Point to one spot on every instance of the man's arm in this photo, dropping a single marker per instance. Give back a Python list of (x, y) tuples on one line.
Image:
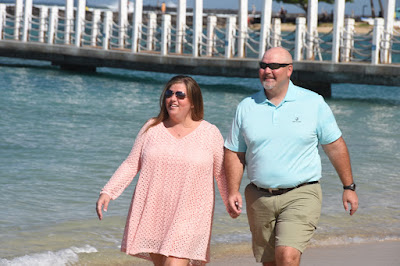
[(338, 154), (234, 163)]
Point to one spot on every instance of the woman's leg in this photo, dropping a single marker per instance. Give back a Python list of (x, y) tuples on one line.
[(158, 259), (173, 261)]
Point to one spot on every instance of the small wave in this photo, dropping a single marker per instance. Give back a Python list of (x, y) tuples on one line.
[(58, 258), (339, 241)]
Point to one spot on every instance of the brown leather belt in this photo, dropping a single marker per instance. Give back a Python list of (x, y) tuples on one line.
[(280, 191)]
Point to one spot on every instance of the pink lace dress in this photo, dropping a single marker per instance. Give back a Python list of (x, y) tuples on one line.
[(172, 206)]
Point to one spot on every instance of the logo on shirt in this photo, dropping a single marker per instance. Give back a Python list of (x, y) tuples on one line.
[(296, 119)]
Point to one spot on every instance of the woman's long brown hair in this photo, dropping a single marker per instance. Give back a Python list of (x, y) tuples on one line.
[(193, 93)]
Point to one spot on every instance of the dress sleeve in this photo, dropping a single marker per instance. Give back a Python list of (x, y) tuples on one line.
[(219, 170), (125, 173)]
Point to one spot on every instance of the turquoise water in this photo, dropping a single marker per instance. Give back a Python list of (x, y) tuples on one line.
[(63, 134)]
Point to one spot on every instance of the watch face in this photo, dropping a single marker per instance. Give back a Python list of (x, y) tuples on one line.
[(351, 187)]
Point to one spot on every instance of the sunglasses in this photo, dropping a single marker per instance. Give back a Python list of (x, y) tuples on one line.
[(179, 94), (272, 66)]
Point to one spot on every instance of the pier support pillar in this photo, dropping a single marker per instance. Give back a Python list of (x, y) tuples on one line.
[(43, 15), (229, 40), (68, 20), (136, 25), (53, 21), (122, 22), (197, 27), (338, 21), (265, 27), (96, 20), (312, 30), (386, 55), (211, 23), (80, 22), (152, 26), (27, 20), (3, 14), (19, 4), (243, 24), (376, 41), (348, 41), (165, 33), (276, 32), (107, 27), (299, 39), (180, 26)]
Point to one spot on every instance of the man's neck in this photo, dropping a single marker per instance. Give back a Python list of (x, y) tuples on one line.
[(276, 95)]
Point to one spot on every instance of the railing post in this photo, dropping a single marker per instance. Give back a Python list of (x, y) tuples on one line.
[(312, 23), (96, 20), (53, 20), (3, 14), (276, 32), (151, 30), (299, 39), (137, 25), (347, 40), (265, 27), (211, 23), (180, 26), (44, 13), (68, 19), (376, 40), (338, 20), (197, 27), (18, 18), (386, 55), (27, 20), (107, 26), (229, 37), (80, 21), (166, 26), (243, 14), (122, 22)]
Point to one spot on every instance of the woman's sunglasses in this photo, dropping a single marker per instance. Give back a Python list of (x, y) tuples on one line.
[(272, 66), (179, 94)]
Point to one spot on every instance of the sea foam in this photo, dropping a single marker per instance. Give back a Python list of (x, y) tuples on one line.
[(57, 258)]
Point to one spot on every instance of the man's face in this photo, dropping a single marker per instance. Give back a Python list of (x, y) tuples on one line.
[(274, 78)]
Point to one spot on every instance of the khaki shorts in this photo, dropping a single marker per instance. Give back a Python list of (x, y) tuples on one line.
[(289, 219)]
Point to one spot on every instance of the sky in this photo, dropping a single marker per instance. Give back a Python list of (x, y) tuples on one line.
[(358, 7)]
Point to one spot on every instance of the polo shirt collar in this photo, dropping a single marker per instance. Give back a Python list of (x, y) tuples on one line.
[(260, 97)]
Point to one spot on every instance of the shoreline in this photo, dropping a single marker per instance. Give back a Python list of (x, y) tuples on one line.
[(359, 27), (385, 253)]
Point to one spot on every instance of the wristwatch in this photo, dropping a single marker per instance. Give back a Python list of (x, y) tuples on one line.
[(351, 187)]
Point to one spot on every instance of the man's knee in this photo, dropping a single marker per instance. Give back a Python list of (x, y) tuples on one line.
[(285, 255)]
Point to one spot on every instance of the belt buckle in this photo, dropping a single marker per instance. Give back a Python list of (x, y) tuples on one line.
[(271, 190)]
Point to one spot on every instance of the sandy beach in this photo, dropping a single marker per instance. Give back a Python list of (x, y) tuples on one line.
[(386, 253), (360, 27)]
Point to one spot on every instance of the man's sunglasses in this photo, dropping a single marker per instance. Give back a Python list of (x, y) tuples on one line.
[(179, 94), (272, 66)]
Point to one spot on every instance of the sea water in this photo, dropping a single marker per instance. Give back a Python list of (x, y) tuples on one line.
[(63, 134)]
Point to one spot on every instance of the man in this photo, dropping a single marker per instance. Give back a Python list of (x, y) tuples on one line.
[(276, 133)]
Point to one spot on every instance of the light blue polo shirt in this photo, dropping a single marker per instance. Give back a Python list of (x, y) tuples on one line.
[(281, 142)]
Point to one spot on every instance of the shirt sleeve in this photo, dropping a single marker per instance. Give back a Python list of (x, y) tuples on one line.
[(235, 140), (125, 173), (327, 129)]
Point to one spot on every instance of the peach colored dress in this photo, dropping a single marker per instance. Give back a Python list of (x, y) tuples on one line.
[(173, 203)]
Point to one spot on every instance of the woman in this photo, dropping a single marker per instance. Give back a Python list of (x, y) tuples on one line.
[(177, 154)]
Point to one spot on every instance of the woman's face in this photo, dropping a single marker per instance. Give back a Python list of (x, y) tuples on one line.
[(177, 102)]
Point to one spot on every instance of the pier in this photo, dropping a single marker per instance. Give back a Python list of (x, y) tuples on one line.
[(81, 38)]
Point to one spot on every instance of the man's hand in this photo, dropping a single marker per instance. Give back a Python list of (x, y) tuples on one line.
[(350, 198), (235, 205)]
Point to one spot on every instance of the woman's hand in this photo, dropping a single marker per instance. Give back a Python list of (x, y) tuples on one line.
[(103, 200)]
